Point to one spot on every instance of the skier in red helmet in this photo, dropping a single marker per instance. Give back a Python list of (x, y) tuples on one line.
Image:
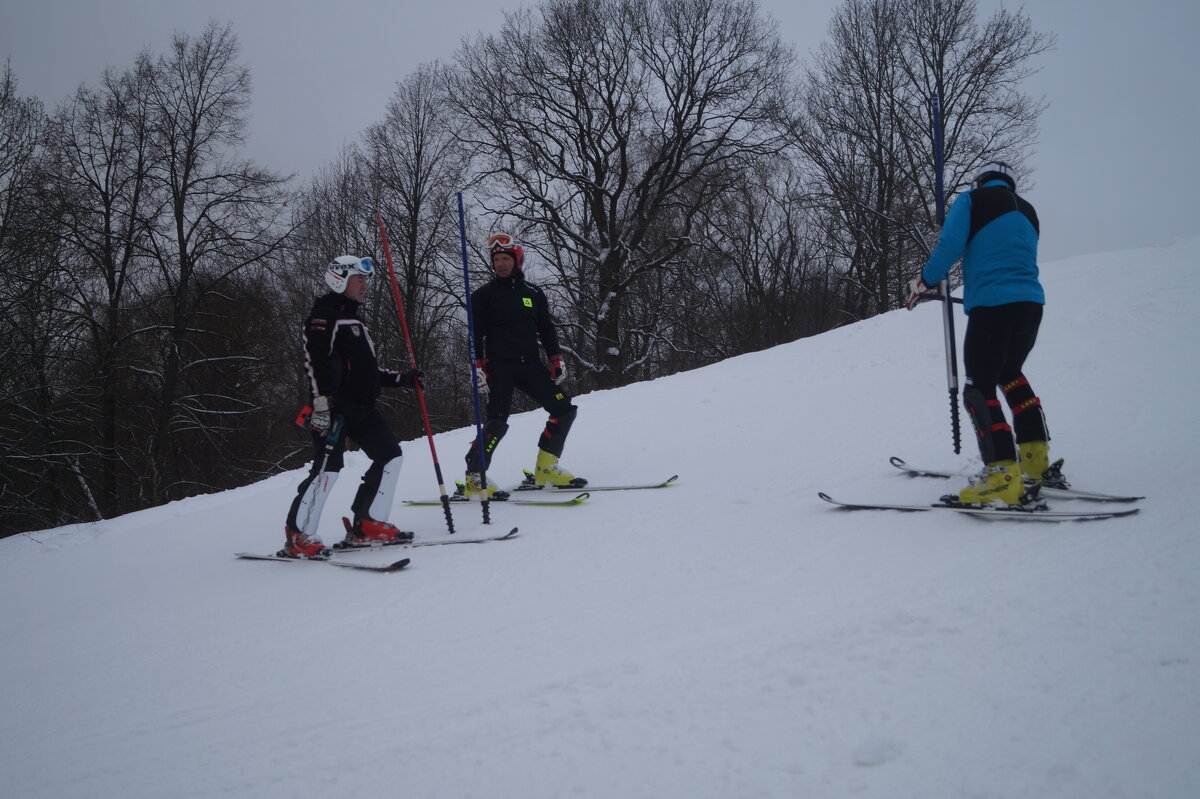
[(511, 317)]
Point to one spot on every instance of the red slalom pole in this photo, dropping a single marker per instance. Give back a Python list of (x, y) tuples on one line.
[(412, 360)]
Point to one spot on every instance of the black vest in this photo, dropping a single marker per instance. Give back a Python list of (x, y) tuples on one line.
[(991, 202)]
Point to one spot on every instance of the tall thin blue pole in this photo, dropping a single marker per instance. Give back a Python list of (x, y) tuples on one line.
[(944, 286), (462, 236)]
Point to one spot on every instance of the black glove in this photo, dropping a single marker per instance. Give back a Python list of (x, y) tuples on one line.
[(412, 378)]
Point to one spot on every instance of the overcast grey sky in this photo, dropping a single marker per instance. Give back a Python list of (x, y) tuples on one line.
[(1115, 167)]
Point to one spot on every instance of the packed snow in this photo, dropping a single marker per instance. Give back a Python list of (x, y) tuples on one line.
[(730, 636)]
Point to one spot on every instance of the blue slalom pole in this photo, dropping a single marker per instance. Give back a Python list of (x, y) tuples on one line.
[(462, 235), (944, 286)]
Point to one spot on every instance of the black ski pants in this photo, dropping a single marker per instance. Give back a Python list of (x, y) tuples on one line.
[(998, 340), (365, 425), (532, 379)]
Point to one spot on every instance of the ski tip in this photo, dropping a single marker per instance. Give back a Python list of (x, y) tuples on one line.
[(899, 463), (398, 565)]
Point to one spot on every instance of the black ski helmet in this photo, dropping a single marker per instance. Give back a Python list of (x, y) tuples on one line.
[(996, 170)]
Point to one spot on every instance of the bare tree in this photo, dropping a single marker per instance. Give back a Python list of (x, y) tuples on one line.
[(221, 217), (978, 72), (767, 249), (603, 129), (39, 451), (418, 162), (866, 126), (20, 123), (102, 199)]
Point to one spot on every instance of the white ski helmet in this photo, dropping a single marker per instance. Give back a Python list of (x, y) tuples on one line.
[(338, 273), (996, 170)]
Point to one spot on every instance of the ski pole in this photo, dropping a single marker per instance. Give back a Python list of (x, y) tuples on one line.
[(412, 359), (479, 443), (944, 286)]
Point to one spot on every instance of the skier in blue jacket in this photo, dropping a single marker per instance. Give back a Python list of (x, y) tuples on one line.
[(995, 233)]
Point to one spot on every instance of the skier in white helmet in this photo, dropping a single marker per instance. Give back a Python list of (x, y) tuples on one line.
[(345, 379), (995, 232)]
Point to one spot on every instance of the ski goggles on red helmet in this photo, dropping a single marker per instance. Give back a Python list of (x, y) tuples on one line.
[(501, 242)]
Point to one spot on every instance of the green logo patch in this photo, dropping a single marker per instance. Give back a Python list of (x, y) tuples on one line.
[(528, 301)]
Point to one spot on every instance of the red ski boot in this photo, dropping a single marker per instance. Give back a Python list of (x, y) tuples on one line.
[(367, 532), (304, 547)]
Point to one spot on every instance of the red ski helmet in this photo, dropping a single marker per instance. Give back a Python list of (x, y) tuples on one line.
[(504, 243)]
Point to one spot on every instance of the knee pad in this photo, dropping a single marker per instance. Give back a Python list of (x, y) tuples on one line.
[(493, 431), (564, 420), (554, 434), (495, 428), (307, 514), (1029, 419), (987, 419), (381, 504)]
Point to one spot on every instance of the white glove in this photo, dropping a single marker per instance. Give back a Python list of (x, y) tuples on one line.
[(916, 287), (481, 376), (321, 417)]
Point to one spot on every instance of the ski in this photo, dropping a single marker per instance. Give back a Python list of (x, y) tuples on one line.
[(1046, 491), (511, 534), (988, 513), (458, 500), (391, 567), (528, 485)]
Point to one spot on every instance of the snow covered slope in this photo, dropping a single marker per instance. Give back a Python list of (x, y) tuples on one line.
[(731, 636)]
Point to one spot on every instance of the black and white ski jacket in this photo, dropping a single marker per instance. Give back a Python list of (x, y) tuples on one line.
[(339, 357)]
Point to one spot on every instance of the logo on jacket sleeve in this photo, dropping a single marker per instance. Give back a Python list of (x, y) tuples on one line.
[(528, 301)]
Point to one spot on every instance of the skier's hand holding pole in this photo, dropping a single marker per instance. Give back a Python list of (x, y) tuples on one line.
[(321, 415)]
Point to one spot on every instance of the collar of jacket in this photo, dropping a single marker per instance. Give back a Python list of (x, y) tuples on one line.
[(344, 303)]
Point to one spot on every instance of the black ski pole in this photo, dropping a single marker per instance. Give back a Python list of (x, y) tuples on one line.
[(479, 442)]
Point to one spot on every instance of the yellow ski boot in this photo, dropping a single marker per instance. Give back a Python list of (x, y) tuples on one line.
[(1035, 459), (473, 489), (548, 474), (999, 482), (1036, 465)]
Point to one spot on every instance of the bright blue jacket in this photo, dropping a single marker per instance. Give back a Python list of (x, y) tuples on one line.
[(995, 233)]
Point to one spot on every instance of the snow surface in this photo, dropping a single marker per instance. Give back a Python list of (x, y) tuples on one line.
[(732, 636)]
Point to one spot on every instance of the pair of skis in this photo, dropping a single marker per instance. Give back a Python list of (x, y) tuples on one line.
[(529, 487), (386, 568), (1023, 514)]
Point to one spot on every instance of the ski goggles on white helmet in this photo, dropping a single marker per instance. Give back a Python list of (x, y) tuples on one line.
[(344, 267), (354, 265)]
